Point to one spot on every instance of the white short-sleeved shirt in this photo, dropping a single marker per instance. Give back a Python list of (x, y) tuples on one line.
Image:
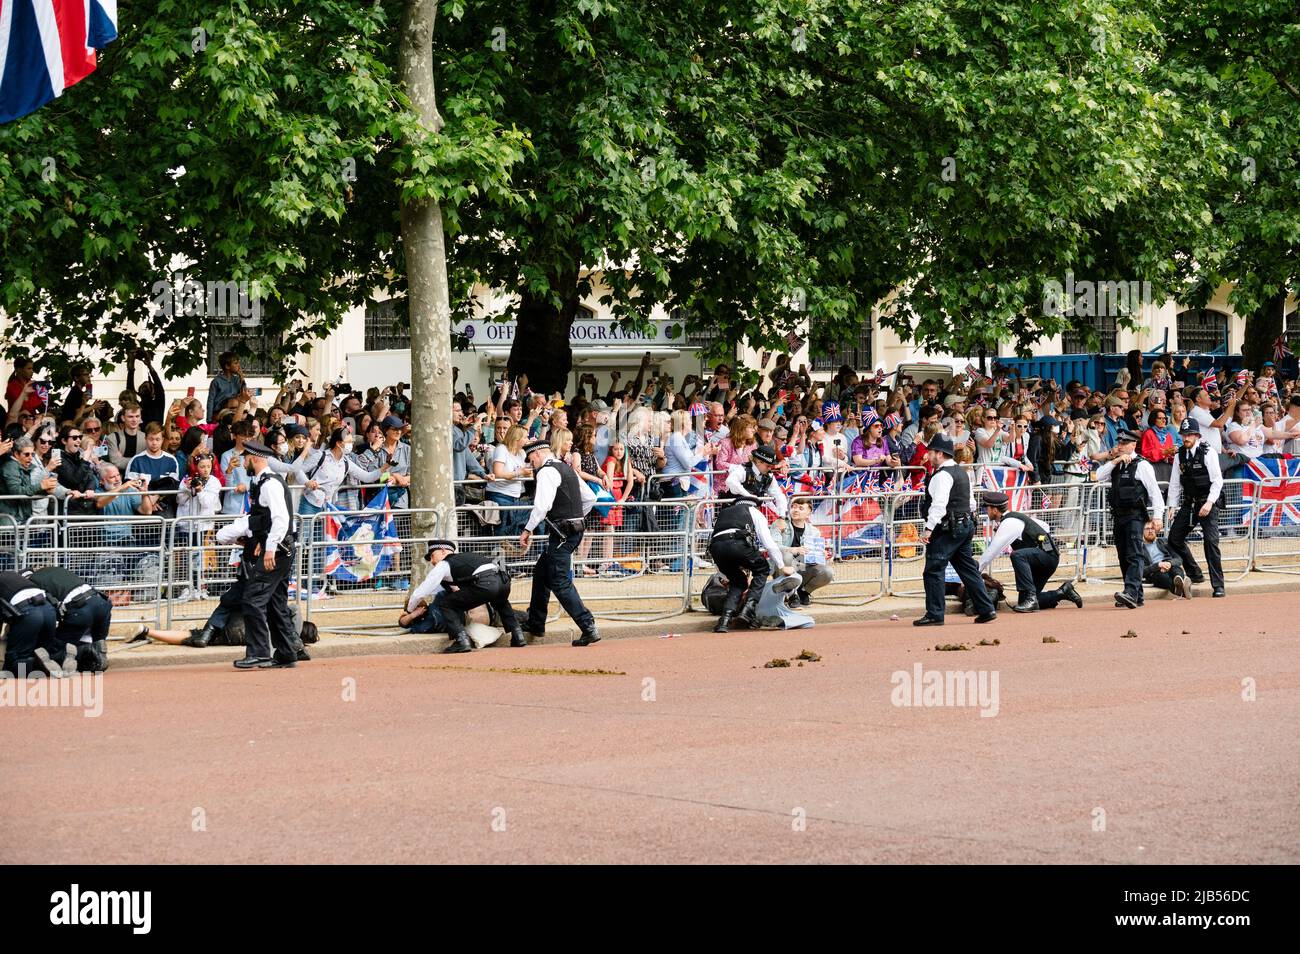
[(513, 462)]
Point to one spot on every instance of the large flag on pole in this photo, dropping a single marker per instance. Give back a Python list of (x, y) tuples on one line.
[(47, 46)]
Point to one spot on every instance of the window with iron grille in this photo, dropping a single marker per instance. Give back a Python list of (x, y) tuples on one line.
[(388, 326), (1105, 327), (1201, 329), (856, 354), (254, 347)]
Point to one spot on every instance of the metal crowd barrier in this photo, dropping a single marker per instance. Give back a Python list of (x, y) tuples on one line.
[(645, 560)]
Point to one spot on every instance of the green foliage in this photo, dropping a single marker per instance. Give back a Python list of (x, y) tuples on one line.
[(224, 141)]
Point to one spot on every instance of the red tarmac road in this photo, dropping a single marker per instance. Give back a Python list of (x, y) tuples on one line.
[(718, 759)]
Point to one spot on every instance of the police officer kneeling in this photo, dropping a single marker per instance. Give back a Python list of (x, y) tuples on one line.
[(1134, 498), (457, 583), (32, 644), (84, 614), (1195, 486), (949, 527), (265, 567), (739, 528), (1034, 556)]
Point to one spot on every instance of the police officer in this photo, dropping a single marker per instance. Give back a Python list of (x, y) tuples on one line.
[(267, 561), (1034, 556), (457, 583), (949, 527), (753, 479), (562, 501), (1134, 498), (84, 614), (1194, 488), (738, 530), (32, 644)]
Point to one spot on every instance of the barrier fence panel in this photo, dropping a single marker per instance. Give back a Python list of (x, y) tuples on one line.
[(1274, 518), (1236, 542), (122, 557), (347, 564), (905, 558), (200, 570), (11, 557)]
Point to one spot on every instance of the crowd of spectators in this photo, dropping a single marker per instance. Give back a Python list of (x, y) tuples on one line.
[(642, 439)]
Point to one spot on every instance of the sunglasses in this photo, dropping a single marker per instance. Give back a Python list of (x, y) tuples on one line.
[(92, 430)]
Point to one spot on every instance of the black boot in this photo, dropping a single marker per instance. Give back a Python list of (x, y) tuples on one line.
[(1068, 592), (92, 657), (749, 613), (1027, 604), (460, 643), (199, 638), (517, 636), (723, 624), (587, 638)]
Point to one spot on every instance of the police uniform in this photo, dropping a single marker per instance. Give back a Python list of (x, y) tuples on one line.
[(950, 521), (744, 480), (1195, 481), (456, 584), (562, 501), (267, 526), (1134, 496), (84, 614), (32, 643), (1034, 557), (734, 547)]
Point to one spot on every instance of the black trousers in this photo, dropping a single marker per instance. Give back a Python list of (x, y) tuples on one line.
[(1164, 578), (953, 547), (1132, 551), (1034, 567), (553, 573), (36, 628), (744, 566), (267, 619), (90, 617), (1185, 521), (484, 589)]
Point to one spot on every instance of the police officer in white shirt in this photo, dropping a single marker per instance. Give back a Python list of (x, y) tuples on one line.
[(753, 479), (734, 547), (1134, 497), (457, 583), (949, 528), (562, 502), (1034, 556), (267, 561), (1194, 488)]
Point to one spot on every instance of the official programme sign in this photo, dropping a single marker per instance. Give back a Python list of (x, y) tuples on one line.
[(661, 333)]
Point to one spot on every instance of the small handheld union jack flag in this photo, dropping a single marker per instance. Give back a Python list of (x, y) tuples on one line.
[(1280, 349), (698, 408), (1211, 381), (1242, 376), (893, 421)]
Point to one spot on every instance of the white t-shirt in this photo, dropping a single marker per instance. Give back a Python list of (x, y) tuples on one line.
[(1212, 436), (513, 463), (992, 454), (1254, 445), (828, 444)]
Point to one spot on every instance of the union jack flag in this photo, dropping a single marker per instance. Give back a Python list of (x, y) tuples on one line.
[(1280, 350), (360, 546), (973, 372), (1271, 492), (1266, 385), (1211, 381), (698, 408), (1012, 482), (1242, 377), (47, 46)]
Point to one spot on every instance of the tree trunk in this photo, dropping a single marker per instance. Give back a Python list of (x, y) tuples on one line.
[(541, 347), (1262, 328), (424, 244)]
